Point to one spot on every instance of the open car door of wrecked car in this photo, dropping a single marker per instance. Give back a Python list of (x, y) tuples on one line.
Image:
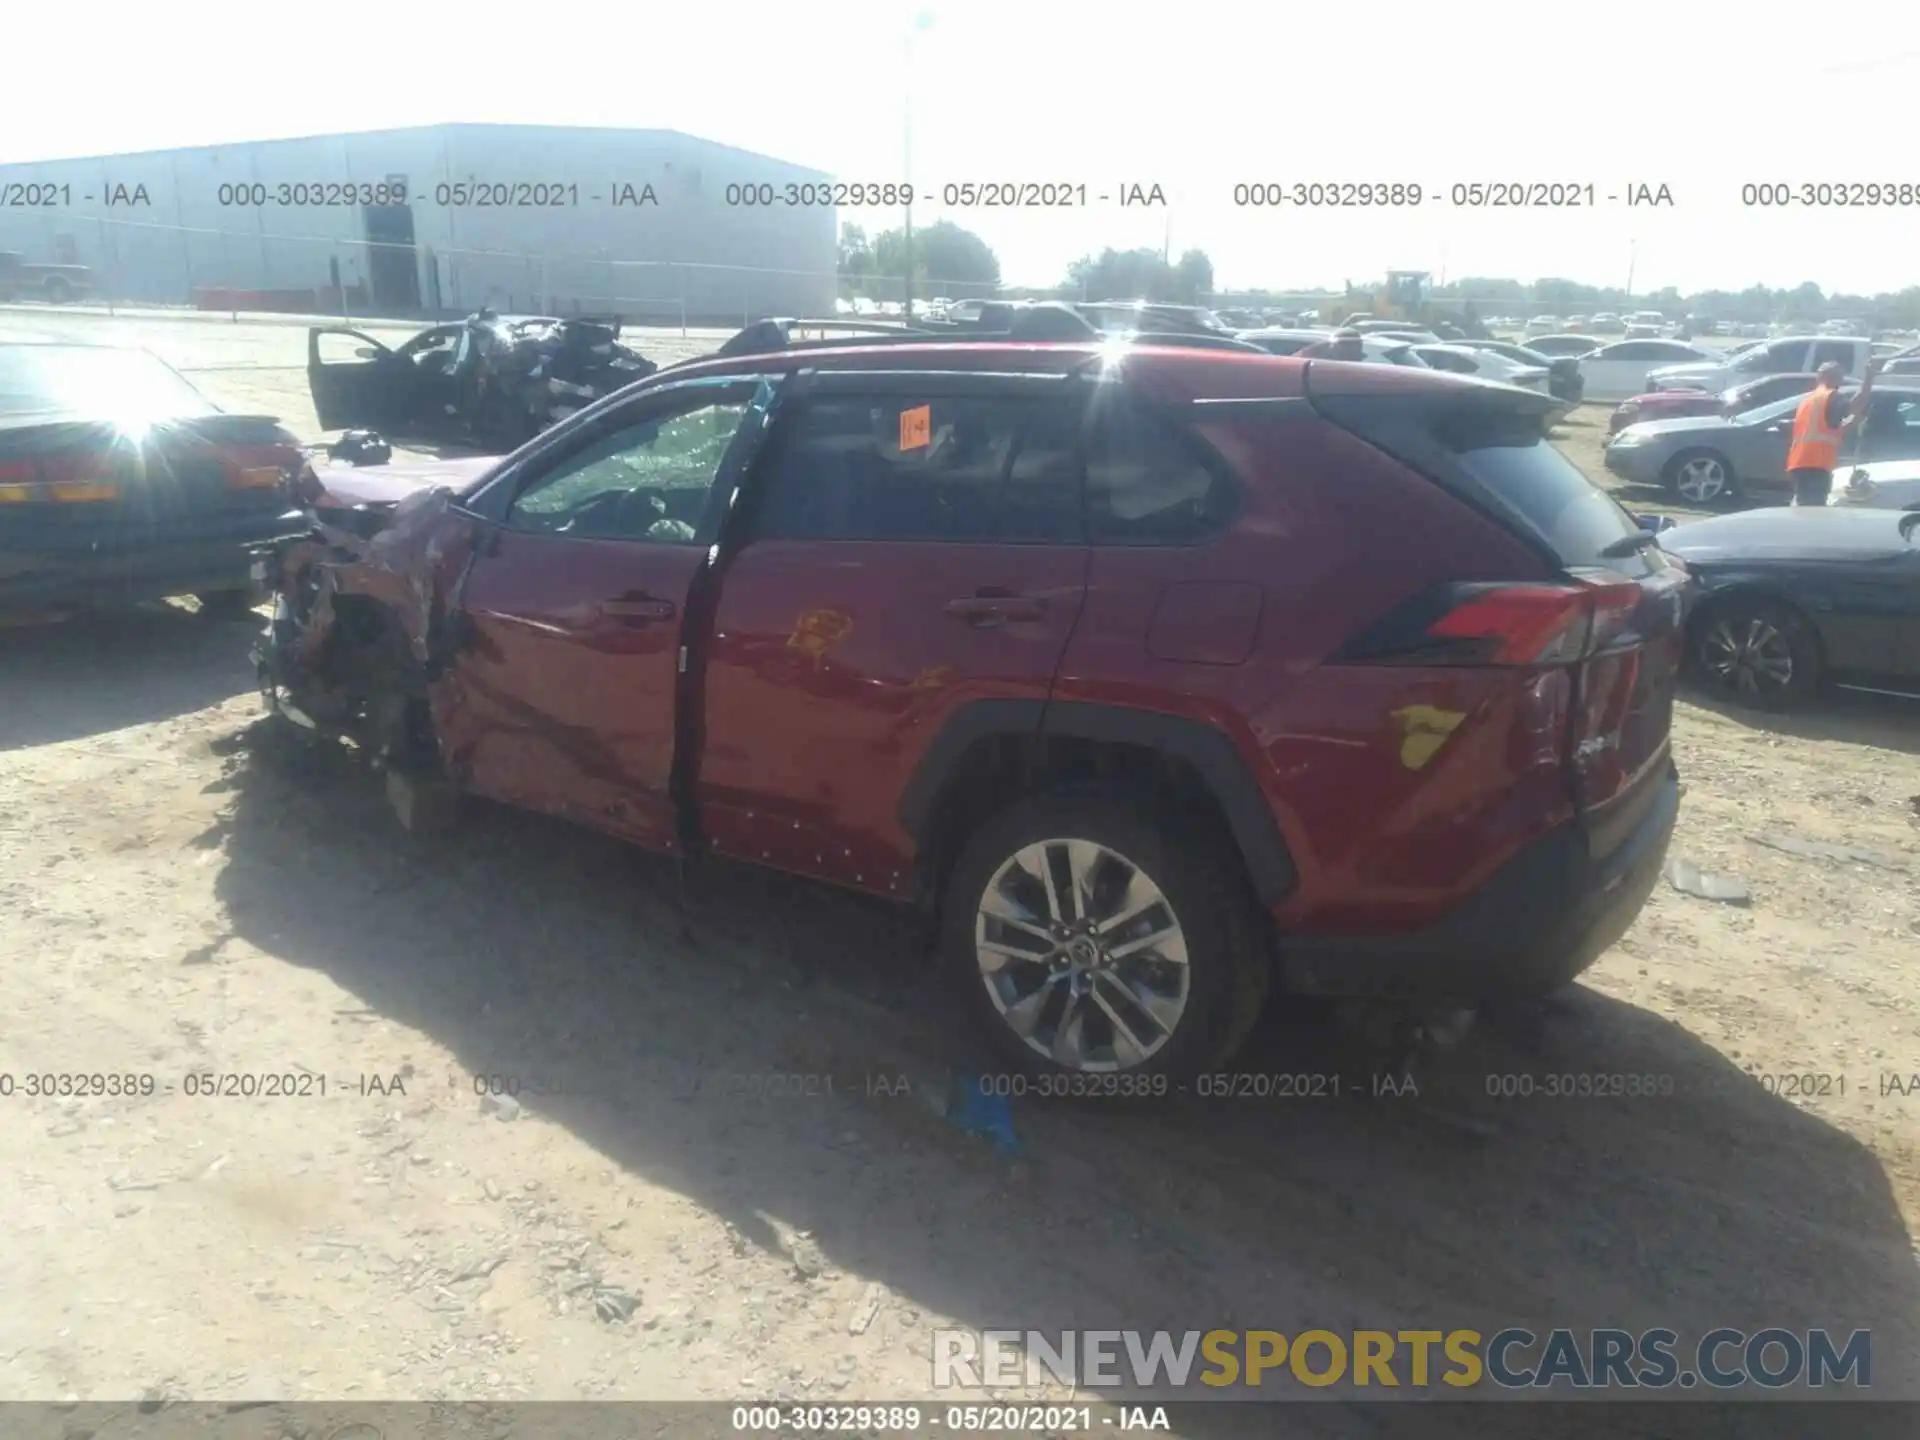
[(355, 380)]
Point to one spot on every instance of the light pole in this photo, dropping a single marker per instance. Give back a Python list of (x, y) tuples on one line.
[(1633, 250), (922, 20)]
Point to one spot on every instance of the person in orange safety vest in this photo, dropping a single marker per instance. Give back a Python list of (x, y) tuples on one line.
[(1819, 427)]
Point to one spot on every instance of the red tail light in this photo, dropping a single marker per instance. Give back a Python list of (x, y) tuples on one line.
[(1525, 625), (79, 477), (260, 467)]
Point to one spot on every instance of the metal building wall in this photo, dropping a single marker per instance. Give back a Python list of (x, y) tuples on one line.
[(161, 226)]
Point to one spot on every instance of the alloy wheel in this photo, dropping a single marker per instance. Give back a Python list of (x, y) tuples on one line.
[(1701, 479), (1749, 656), (1082, 955)]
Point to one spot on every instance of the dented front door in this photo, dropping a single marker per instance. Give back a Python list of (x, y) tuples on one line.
[(572, 619)]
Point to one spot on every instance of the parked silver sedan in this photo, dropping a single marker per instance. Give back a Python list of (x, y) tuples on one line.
[(1710, 459)]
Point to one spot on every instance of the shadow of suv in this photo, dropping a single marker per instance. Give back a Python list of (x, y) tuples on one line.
[(1156, 675)]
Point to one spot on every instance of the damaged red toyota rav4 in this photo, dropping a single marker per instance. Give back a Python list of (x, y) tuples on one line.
[(1161, 677)]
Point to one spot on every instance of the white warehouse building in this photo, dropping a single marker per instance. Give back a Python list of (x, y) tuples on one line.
[(652, 225)]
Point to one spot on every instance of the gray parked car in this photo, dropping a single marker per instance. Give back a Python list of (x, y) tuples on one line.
[(1707, 459)]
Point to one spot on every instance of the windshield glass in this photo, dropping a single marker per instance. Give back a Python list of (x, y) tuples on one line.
[(55, 380)]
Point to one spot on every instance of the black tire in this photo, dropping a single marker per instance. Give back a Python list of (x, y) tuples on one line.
[(1676, 477), (227, 604), (57, 290), (1753, 621), (1229, 962)]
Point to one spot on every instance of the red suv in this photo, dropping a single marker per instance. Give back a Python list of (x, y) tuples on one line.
[(1159, 676)]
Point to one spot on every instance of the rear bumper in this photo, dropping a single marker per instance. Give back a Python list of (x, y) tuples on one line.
[(93, 571), (1541, 920)]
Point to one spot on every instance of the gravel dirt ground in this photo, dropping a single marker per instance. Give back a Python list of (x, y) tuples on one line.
[(727, 1170)]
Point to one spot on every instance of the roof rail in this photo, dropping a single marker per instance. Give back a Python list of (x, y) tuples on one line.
[(766, 337)]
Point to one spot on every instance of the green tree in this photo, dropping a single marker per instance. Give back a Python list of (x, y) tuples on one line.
[(1193, 277), (856, 263), (1140, 275), (946, 256), (1806, 301)]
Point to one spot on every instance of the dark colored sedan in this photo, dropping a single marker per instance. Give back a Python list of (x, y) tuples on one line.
[(119, 482), (1681, 404), (1791, 598)]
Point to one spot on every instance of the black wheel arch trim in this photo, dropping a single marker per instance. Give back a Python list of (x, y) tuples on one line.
[(1210, 752)]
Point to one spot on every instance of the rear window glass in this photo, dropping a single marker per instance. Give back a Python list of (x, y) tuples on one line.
[(1481, 448), (94, 381)]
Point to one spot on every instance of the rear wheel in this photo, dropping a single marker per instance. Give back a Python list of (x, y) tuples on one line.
[(57, 290), (1087, 940), (1701, 477), (1758, 652)]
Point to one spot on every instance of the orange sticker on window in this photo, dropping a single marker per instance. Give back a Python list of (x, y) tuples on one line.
[(916, 428)]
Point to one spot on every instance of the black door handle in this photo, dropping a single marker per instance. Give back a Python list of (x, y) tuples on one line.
[(638, 609)]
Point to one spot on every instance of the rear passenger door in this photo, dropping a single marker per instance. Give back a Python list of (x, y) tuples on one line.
[(912, 543), (1175, 593)]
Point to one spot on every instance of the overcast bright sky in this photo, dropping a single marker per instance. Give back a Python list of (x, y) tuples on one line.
[(1701, 95)]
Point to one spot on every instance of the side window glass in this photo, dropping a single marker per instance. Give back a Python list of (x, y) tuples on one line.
[(1891, 416), (1147, 484), (1789, 359), (648, 481), (891, 467), (1040, 501), (436, 351)]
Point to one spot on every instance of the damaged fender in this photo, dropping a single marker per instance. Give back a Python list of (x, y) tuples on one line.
[(360, 630)]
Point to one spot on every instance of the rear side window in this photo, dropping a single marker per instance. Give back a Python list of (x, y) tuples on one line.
[(1785, 358), (941, 468), (1148, 482), (1491, 448), (1447, 360)]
